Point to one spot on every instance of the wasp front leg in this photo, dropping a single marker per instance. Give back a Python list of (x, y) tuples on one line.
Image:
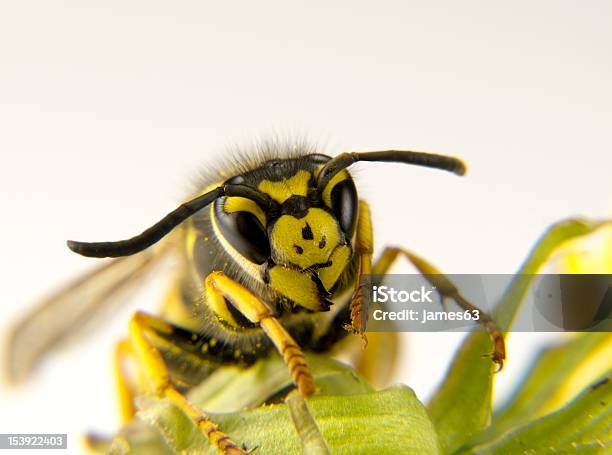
[(447, 290), (220, 287), (157, 377), (363, 249)]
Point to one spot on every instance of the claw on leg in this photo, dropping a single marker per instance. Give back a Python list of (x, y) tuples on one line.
[(499, 348), (358, 315), (499, 345)]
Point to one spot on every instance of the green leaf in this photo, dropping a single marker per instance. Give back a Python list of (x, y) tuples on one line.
[(552, 239), (351, 417), (554, 378), (583, 426), (134, 438), (393, 420), (557, 376), (232, 389), (462, 405)]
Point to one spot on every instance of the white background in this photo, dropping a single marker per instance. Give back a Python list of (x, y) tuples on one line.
[(108, 108)]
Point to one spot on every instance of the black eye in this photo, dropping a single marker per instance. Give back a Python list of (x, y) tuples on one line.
[(344, 205), (244, 232)]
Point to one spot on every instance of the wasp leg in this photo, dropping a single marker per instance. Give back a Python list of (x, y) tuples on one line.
[(158, 379), (447, 290), (125, 391), (363, 249), (220, 287)]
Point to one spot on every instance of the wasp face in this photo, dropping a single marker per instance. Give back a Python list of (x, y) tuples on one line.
[(305, 237), (304, 244)]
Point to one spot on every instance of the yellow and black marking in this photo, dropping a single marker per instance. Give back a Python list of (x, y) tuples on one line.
[(273, 256)]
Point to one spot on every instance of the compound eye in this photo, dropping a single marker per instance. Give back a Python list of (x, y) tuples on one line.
[(244, 231), (343, 198)]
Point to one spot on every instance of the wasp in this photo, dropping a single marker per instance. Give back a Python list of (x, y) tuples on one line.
[(273, 254)]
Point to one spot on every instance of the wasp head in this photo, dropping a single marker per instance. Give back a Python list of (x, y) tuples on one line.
[(302, 239)]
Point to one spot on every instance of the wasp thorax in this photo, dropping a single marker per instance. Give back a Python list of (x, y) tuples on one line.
[(307, 241)]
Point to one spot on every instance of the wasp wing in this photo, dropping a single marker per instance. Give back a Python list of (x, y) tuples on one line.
[(65, 315)]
